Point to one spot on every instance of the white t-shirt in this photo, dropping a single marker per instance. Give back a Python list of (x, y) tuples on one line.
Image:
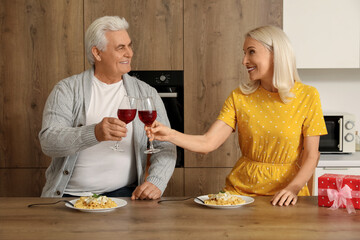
[(100, 169)]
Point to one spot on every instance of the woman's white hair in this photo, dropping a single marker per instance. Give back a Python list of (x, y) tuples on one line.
[(95, 34), (285, 72)]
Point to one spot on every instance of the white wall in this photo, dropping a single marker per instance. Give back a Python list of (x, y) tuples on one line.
[(339, 89)]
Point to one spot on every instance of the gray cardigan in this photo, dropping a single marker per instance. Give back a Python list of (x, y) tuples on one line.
[(64, 133)]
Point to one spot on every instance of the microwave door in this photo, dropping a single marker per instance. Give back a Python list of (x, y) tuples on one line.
[(340, 135), (332, 142)]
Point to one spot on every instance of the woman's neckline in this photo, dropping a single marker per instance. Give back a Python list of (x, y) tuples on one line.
[(267, 91), (295, 87)]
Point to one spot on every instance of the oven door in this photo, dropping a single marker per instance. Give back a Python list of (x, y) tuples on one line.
[(175, 111), (332, 142)]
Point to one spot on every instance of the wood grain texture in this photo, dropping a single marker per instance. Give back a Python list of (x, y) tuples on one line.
[(175, 187), (177, 220), (213, 36), (156, 29), (21, 182), (41, 43), (200, 181)]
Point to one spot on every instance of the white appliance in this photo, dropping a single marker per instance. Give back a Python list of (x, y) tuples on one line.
[(341, 133)]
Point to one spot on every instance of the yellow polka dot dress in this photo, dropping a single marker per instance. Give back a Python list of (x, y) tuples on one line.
[(271, 135)]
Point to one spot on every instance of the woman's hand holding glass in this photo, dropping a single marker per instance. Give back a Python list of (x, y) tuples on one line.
[(148, 114), (158, 131)]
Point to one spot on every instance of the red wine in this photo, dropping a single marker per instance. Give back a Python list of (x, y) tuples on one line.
[(147, 117), (126, 115)]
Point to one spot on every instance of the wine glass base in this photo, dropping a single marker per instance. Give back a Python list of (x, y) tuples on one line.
[(151, 151), (117, 149)]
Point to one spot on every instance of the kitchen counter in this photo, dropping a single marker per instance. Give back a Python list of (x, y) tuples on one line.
[(176, 220), (339, 160)]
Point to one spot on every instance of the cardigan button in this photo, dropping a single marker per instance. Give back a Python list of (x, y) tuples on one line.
[(58, 193), (66, 172)]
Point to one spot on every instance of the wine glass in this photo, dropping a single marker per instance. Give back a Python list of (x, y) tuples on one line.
[(147, 114), (126, 113)]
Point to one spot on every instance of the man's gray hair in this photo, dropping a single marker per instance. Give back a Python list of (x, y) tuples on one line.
[(95, 34)]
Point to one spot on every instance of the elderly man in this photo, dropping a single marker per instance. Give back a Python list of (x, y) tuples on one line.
[(80, 125)]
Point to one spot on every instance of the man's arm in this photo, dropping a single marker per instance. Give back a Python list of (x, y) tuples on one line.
[(58, 136)]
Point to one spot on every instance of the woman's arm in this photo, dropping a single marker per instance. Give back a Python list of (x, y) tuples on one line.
[(309, 161), (211, 140)]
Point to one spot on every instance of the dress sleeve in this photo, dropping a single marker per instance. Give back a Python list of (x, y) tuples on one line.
[(228, 112), (314, 124)]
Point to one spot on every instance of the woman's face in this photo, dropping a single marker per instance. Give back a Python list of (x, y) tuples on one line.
[(258, 61)]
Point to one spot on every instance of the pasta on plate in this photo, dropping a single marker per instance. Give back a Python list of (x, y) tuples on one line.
[(95, 202), (224, 198)]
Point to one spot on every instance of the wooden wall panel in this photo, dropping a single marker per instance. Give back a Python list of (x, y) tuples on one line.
[(213, 36), (201, 181), (156, 29), (22, 182), (41, 42), (175, 187)]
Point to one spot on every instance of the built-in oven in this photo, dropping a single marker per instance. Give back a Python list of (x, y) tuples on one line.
[(170, 86)]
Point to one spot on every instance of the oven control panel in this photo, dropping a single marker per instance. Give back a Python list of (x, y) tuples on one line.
[(160, 78)]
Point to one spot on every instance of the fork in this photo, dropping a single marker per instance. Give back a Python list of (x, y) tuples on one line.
[(38, 204), (200, 200)]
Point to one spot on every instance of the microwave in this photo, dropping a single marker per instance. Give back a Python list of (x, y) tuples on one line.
[(341, 134)]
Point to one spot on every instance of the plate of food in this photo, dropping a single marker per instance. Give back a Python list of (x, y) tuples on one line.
[(223, 200), (96, 203)]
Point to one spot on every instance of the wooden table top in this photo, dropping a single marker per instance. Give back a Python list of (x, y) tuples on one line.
[(176, 220)]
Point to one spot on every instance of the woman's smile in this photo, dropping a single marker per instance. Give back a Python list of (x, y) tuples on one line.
[(258, 61), (250, 69)]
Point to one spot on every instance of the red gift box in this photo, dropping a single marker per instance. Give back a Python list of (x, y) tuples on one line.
[(336, 185)]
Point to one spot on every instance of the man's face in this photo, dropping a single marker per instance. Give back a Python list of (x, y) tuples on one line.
[(115, 60)]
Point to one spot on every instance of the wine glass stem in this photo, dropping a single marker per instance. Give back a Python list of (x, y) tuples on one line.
[(151, 146)]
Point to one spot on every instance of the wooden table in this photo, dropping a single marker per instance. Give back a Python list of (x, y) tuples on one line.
[(177, 220)]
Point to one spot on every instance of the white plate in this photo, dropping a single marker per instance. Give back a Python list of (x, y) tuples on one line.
[(247, 199), (119, 202)]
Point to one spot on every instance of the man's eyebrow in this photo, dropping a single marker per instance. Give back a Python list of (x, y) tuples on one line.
[(123, 45), (120, 45)]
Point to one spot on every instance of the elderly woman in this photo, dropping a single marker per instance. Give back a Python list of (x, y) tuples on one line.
[(279, 122)]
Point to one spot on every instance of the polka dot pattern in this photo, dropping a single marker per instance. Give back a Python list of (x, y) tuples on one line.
[(271, 135)]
